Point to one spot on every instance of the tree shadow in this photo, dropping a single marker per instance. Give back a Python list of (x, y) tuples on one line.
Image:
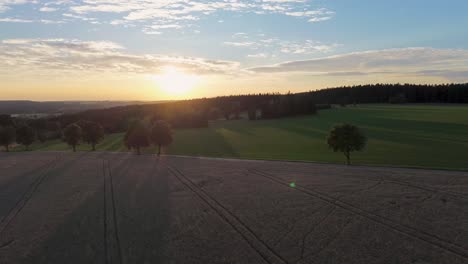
[(76, 233)]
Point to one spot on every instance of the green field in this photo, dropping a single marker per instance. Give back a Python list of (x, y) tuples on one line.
[(431, 136)]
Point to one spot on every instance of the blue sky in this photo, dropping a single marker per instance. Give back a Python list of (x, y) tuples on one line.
[(233, 45)]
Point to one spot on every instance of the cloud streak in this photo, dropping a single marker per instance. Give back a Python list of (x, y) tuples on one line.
[(61, 55), (162, 12), (417, 61)]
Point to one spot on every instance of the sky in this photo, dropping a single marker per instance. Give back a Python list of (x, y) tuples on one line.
[(176, 49)]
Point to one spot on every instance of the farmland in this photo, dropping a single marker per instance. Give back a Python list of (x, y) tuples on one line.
[(121, 208), (428, 136)]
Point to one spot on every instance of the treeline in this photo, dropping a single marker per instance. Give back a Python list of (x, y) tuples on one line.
[(197, 113), (393, 93), (27, 131)]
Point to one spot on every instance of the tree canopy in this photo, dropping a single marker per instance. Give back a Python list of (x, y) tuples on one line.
[(72, 135), (93, 133), (346, 138), (25, 135), (161, 134), (7, 136), (137, 137)]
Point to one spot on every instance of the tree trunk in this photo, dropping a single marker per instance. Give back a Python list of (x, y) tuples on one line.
[(348, 158), (74, 148), (7, 148), (159, 150), (138, 150), (27, 147), (94, 147)]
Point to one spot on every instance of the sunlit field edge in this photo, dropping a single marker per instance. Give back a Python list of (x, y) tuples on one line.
[(427, 136)]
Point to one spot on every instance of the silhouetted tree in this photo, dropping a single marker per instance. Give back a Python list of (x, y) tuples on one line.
[(7, 136), (346, 138), (161, 134), (72, 135), (236, 109), (93, 133), (252, 113), (398, 99), (227, 110), (25, 135), (6, 121), (214, 113), (137, 137)]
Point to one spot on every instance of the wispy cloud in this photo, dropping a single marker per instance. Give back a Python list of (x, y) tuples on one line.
[(15, 20), (449, 63), (171, 11), (18, 20), (240, 44), (6, 4), (48, 9), (57, 55), (275, 45)]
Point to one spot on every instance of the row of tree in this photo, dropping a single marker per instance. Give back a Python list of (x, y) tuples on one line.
[(138, 135), (83, 131), (90, 132), (344, 138), (24, 135)]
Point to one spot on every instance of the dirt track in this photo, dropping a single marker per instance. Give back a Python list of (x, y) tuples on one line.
[(122, 208)]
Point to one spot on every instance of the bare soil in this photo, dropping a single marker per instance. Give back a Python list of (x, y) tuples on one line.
[(60, 207)]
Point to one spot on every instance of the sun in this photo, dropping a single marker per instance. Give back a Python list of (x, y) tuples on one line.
[(175, 82)]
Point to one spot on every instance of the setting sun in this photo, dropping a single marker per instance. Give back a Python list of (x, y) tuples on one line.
[(175, 82)]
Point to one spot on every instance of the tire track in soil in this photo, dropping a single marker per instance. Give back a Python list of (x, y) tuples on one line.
[(257, 244), (112, 245), (455, 194), (26, 196), (390, 224)]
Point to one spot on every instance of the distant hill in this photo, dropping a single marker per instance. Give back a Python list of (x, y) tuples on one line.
[(63, 107)]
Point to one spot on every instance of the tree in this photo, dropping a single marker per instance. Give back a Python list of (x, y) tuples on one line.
[(6, 120), (252, 113), (72, 135), (25, 135), (7, 136), (137, 137), (346, 138), (93, 133), (161, 134)]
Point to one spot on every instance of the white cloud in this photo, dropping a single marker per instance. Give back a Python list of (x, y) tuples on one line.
[(58, 55), (448, 63), (169, 11), (15, 20), (240, 44), (258, 55), (48, 9), (278, 46), (6, 4), (143, 12)]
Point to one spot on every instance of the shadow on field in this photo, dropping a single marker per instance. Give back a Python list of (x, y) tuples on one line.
[(17, 186), (142, 206), (134, 194)]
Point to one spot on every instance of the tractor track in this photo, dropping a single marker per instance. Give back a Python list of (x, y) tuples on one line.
[(384, 221), (112, 244), (256, 243), (455, 194), (28, 194)]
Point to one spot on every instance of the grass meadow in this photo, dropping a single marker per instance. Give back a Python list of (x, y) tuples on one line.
[(429, 136)]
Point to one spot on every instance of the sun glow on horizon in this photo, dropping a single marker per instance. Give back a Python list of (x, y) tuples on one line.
[(175, 82)]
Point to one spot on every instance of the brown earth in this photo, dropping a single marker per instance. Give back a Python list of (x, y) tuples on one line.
[(121, 208)]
